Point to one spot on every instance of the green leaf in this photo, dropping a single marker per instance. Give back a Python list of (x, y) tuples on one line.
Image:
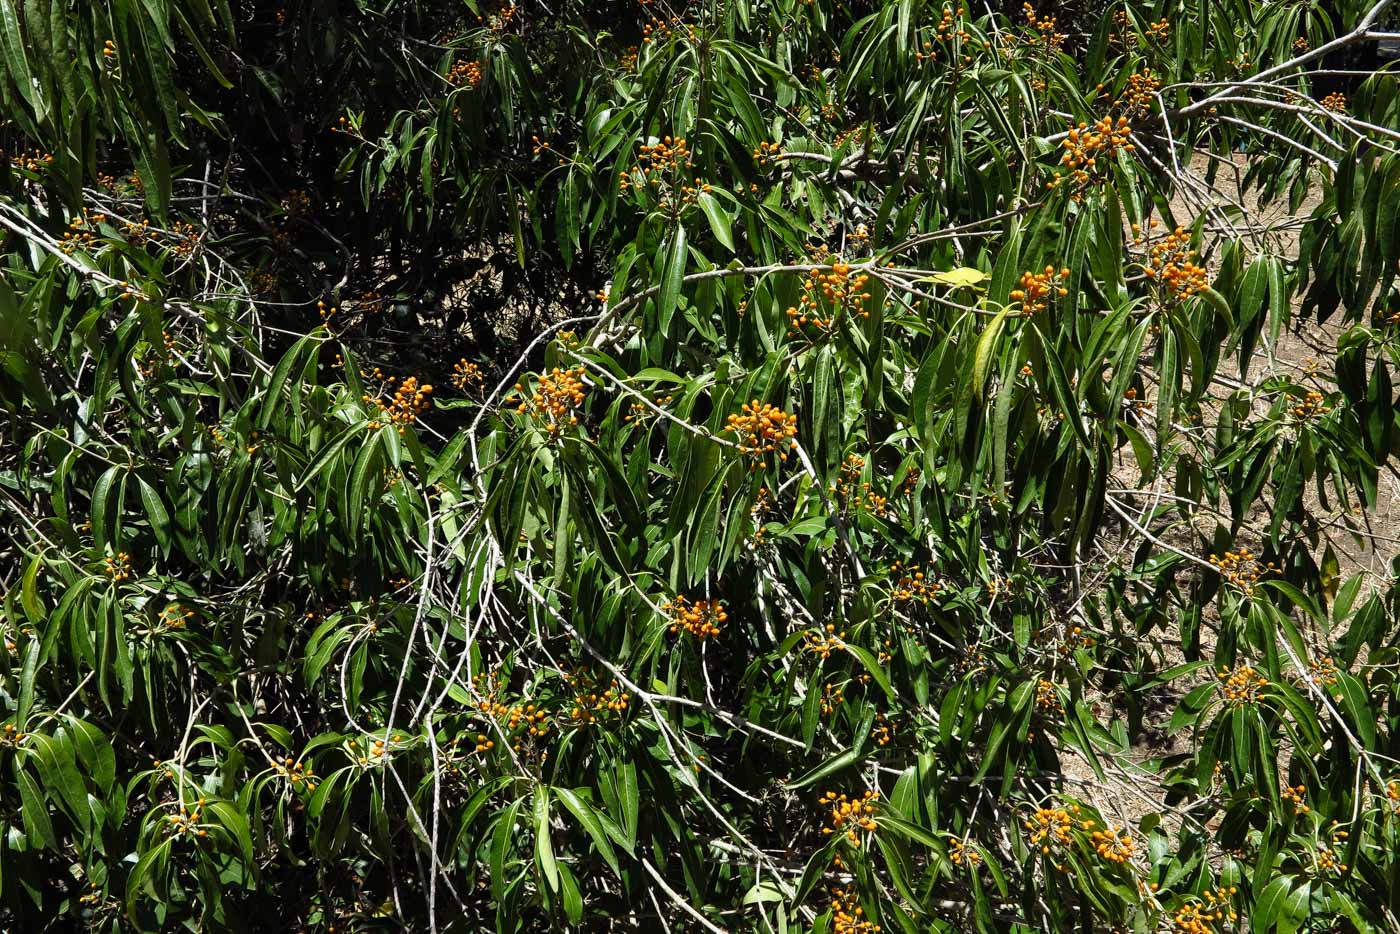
[(105, 507), (912, 831), (13, 42), (570, 895), (366, 473), (272, 396), (1222, 308), (35, 812), (157, 513), (719, 220), (544, 849), (143, 876), (630, 799), (835, 764), (872, 665), (327, 454), (672, 273), (1280, 906), (500, 847), (1059, 385), (1357, 707), (589, 819), (59, 773), (985, 352), (28, 671)]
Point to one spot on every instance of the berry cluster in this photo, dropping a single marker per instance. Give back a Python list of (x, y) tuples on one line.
[(972, 662), (958, 853), (484, 743), (1048, 827), (1241, 568), (409, 401), (767, 152), (137, 233), (637, 412), (296, 773), (515, 715), (1294, 795), (850, 816), (346, 125), (187, 821), (118, 566), (913, 586), (497, 15), (467, 377), (664, 168), (701, 619), (31, 161), (1335, 102), (1047, 697), (1138, 93), (511, 717), (1085, 145), (556, 398), (1200, 917), (1076, 639), (93, 896), (186, 239), (1242, 685), (1113, 845), (373, 755), (1329, 861), (834, 696), (1172, 262), (655, 161), (763, 429), (1313, 404), (1139, 407), (660, 30), (825, 295), (79, 235), (464, 74), (154, 359), (1042, 30), (851, 492), (1038, 288), (176, 616), (884, 729), (296, 202), (1324, 671), (368, 302), (947, 32), (847, 915), (823, 645), (591, 702)]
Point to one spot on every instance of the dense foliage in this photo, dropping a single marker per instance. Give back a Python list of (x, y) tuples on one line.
[(759, 465)]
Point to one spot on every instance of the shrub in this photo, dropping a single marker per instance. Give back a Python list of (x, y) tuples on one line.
[(798, 465)]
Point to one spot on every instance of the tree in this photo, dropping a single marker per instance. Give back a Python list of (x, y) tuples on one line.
[(723, 466)]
